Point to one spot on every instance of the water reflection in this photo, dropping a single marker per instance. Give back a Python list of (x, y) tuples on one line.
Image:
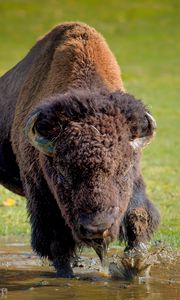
[(25, 277)]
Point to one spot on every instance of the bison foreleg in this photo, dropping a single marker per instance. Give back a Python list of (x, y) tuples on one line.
[(51, 237), (62, 254), (141, 218)]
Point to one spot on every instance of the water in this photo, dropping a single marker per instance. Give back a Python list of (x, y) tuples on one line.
[(24, 276)]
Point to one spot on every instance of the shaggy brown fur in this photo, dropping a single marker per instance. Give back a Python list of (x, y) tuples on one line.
[(87, 185)]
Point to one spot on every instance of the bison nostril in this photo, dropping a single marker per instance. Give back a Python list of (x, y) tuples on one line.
[(92, 232), (83, 230), (87, 231)]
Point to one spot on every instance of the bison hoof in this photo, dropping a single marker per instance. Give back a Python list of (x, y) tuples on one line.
[(64, 270), (63, 273), (139, 248)]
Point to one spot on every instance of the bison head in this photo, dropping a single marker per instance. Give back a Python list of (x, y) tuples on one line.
[(89, 147)]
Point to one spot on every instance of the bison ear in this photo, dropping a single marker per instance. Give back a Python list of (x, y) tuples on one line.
[(37, 131), (148, 135)]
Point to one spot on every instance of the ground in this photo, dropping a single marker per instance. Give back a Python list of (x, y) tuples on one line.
[(24, 276), (144, 36)]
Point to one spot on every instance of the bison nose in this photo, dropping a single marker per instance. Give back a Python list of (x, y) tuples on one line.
[(93, 227), (94, 232)]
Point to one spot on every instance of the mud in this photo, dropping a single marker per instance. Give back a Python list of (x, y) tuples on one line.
[(154, 275)]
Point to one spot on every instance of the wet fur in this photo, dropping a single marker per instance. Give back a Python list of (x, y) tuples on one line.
[(73, 79)]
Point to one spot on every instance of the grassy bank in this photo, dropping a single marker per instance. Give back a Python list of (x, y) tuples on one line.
[(144, 35)]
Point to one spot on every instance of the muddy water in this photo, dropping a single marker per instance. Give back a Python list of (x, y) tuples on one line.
[(24, 276)]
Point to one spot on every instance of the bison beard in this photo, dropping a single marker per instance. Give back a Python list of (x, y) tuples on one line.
[(74, 141)]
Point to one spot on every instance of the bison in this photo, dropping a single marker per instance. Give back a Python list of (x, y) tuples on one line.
[(71, 141)]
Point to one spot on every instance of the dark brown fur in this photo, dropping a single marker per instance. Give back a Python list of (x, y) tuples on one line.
[(72, 79)]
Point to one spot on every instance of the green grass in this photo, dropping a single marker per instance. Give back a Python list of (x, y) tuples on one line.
[(144, 35)]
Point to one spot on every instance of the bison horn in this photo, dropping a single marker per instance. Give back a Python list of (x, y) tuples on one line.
[(145, 140), (37, 140)]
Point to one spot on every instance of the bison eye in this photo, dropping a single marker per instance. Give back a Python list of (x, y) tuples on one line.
[(43, 127)]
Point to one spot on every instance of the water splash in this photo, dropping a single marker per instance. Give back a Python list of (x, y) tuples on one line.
[(133, 263)]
